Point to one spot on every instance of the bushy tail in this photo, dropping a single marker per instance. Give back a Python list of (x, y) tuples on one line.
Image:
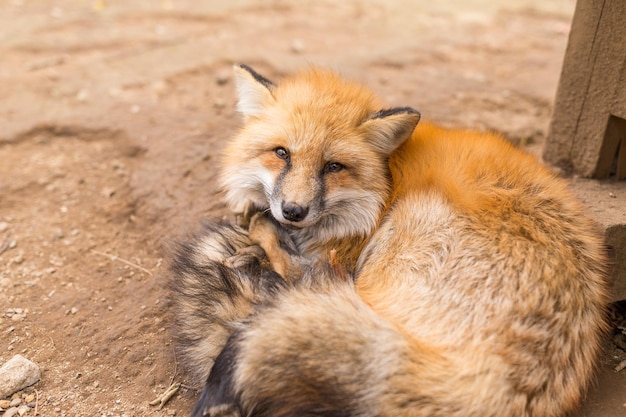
[(314, 348), (218, 277), (318, 350)]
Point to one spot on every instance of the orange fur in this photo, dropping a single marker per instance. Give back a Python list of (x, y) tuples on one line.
[(479, 281)]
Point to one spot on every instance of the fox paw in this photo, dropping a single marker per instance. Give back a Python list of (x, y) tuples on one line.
[(267, 233), (246, 257), (261, 229), (282, 252), (244, 218)]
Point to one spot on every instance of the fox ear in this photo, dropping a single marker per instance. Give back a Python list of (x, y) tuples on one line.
[(254, 90), (388, 129)]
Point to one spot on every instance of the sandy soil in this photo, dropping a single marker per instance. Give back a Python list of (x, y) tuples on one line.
[(113, 114)]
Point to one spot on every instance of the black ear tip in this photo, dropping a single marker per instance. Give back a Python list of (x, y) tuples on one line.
[(258, 77), (243, 66), (409, 110), (394, 111)]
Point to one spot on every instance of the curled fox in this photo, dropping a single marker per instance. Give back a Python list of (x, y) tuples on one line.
[(464, 279)]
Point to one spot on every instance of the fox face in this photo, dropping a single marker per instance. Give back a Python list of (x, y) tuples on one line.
[(313, 151)]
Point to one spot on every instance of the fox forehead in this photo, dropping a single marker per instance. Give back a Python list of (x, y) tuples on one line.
[(321, 96), (318, 117), (316, 114), (306, 139)]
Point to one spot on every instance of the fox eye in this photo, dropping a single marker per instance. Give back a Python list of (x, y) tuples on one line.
[(333, 167), (281, 153)]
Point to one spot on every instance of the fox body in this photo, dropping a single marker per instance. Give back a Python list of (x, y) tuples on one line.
[(478, 283)]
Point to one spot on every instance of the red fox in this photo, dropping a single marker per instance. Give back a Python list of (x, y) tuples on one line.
[(464, 280)]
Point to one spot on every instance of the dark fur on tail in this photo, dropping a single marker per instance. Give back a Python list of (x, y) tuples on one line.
[(222, 289), (218, 397), (310, 382), (218, 278)]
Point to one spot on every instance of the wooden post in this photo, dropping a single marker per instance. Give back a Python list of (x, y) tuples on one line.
[(587, 135)]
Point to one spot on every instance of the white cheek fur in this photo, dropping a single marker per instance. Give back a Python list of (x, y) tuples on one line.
[(247, 184), (355, 211)]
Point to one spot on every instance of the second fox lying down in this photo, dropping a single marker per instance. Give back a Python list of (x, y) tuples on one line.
[(465, 279)]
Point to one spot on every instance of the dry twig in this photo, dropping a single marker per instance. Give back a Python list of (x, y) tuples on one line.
[(162, 399), (117, 258), (4, 246), (36, 402)]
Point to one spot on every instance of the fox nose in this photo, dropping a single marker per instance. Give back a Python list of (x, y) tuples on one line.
[(294, 212)]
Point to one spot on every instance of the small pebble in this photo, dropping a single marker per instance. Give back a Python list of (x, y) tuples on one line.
[(23, 410), (107, 192), (18, 259), (15, 402), (10, 412), (3, 226), (29, 398), (56, 261), (4, 404), (219, 103), (222, 77), (297, 46), (17, 374)]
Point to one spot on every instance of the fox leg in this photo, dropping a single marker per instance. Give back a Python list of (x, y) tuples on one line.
[(279, 247)]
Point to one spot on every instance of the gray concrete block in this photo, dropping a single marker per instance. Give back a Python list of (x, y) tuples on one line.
[(606, 202), (590, 106)]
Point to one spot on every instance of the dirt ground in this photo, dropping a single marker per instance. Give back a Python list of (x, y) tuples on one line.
[(113, 115)]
